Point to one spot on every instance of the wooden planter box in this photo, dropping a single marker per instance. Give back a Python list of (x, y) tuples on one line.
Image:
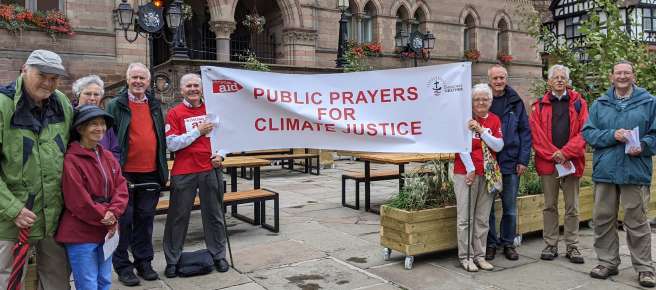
[(418, 232)]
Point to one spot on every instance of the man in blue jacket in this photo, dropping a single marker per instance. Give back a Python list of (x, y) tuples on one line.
[(513, 160), (622, 173)]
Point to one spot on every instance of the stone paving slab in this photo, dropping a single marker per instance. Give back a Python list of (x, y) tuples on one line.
[(249, 259), (248, 286), (427, 277), (315, 274)]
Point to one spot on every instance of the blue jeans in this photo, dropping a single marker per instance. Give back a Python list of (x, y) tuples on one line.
[(508, 224), (91, 271)]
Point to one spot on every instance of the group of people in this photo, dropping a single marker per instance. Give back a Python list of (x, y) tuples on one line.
[(557, 129), (80, 159)]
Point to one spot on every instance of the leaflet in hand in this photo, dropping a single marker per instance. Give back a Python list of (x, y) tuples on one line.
[(632, 140), (562, 171), (111, 243)]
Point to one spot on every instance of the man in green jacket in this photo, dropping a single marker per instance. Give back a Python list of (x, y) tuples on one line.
[(622, 172), (35, 121), (139, 126)]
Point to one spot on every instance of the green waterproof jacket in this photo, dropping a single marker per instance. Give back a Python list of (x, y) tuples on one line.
[(610, 163), (31, 161), (118, 108)]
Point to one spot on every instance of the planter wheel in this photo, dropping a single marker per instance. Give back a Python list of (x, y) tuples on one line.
[(408, 262), (387, 252), (518, 241)]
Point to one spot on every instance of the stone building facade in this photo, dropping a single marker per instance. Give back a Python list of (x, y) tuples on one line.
[(298, 34)]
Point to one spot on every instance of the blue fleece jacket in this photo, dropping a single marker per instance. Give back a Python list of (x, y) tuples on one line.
[(516, 131)]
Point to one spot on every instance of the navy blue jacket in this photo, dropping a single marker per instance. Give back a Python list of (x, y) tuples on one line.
[(516, 132)]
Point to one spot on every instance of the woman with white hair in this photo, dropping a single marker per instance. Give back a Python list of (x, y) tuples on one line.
[(89, 91), (477, 180)]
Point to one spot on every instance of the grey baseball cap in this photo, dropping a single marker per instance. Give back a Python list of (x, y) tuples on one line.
[(47, 62)]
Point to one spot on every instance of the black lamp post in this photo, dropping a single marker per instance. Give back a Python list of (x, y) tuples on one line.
[(416, 42), (150, 23), (342, 5)]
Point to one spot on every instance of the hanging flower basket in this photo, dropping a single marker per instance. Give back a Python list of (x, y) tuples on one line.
[(187, 12), (254, 22), (504, 58), (472, 55)]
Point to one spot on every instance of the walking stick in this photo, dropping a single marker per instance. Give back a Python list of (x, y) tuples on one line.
[(468, 223), (225, 226)]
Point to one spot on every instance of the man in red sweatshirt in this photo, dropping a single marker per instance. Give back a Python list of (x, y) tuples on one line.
[(193, 172)]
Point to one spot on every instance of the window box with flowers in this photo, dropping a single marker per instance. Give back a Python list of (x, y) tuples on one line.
[(472, 55), (504, 58), (357, 54), (16, 18)]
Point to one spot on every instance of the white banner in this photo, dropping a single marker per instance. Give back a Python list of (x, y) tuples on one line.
[(410, 110)]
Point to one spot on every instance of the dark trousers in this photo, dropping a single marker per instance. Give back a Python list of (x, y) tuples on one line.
[(209, 186), (508, 226), (136, 225)]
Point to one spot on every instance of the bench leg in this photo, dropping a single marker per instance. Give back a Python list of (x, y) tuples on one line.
[(276, 220), (307, 165), (291, 164), (357, 193), (318, 165), (244, 218)]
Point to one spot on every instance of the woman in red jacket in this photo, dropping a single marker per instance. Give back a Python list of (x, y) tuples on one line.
[(95, 196)]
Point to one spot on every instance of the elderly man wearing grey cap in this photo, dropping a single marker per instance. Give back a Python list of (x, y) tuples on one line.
[(35, 121)]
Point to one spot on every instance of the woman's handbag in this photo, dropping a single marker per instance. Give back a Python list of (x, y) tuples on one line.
[(492, 171), (195, 263)]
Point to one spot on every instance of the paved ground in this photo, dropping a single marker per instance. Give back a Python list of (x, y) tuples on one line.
[(322, 245)]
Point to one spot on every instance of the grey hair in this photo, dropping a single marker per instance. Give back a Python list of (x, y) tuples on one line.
[(82, 83), (136, 65), (489, 70), (560, 67), (482, 88), (623, 61), (187, 77)]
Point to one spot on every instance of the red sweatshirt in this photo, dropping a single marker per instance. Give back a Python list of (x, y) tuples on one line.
[(88, 177)]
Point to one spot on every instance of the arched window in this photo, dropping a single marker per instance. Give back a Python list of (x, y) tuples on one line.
[(350, 24), (503, 39), (402, 21), (417, 21), (368, 15), (470, 33)]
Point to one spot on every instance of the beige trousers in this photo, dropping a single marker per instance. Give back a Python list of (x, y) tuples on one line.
[(634, 200), (52, 264), (550, 188), (481, 204)]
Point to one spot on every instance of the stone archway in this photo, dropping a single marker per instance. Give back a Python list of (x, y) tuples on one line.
[(290, 33)]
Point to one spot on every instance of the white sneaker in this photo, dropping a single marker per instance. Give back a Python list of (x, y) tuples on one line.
[(468, 265), (482, 264)]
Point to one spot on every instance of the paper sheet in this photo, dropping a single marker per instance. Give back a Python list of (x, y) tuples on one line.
[(562, 171), (632, 140), (110, 245)]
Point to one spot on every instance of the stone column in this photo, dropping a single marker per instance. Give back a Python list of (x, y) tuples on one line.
[(300, 46), (222, 30)]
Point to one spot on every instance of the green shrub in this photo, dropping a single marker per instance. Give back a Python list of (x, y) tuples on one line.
[(423, 191)]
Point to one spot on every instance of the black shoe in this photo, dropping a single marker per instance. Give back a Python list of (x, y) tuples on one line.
[(128, 278), (646, 279), (221, 265), (549, 253), (574, 255), (146, 271), (171, 271), (510, 253), (490, 253)]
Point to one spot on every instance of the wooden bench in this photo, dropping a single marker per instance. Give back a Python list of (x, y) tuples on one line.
[(377, 175), (312, 163), (256, 196)]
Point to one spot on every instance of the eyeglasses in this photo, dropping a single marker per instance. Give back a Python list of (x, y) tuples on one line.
[(477, 100)]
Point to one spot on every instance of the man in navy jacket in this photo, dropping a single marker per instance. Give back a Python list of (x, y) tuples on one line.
[(513, 159)]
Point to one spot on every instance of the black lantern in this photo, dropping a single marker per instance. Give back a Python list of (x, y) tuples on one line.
[(150, 22), (174, 15), (342, 5), (416, 43), (125, 14)]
